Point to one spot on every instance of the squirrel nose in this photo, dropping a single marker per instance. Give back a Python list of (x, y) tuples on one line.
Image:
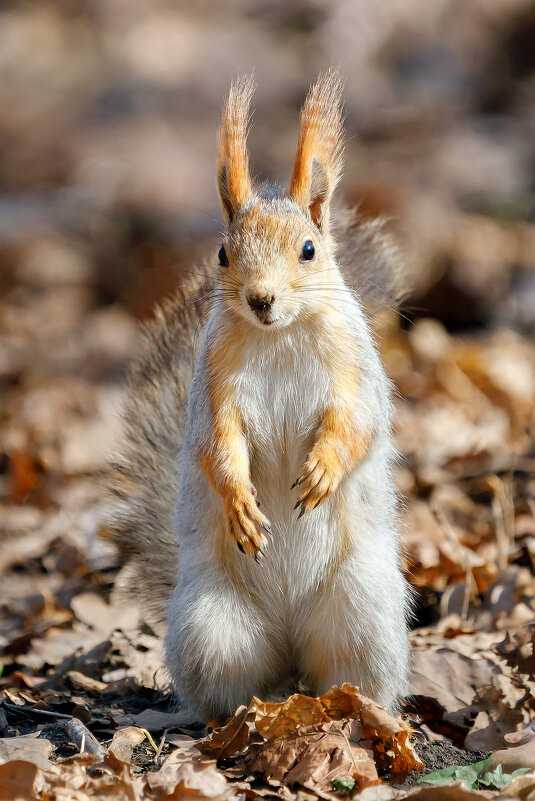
[(260, 303)]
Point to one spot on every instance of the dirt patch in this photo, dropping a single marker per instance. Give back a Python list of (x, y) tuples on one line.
[(441, 754)]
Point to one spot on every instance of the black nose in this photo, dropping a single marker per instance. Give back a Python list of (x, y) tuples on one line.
[(260, 303)]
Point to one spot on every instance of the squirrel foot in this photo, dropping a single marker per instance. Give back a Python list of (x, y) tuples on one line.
[(245, 522), (316, 483)]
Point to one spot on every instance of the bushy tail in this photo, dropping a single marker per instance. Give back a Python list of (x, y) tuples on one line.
[(142, 476), (371, 261)]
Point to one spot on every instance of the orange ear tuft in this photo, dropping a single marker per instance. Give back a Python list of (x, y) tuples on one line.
[(319, 149), (233, 179)]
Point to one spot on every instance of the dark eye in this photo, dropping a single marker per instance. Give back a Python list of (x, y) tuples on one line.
[(222, 255), (308, 251)]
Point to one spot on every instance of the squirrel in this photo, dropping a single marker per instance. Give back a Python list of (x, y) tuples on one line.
[(254, 493)]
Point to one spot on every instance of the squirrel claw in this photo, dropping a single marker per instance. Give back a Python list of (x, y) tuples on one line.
[(240, 546), (302, 512), (296, 483)]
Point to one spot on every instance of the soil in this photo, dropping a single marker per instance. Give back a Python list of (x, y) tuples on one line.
[(441, 754)]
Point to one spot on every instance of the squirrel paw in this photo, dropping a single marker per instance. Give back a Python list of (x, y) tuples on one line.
[(245, 522), (316, 483)]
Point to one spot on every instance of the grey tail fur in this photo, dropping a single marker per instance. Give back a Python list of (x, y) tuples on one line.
[(142, 476)]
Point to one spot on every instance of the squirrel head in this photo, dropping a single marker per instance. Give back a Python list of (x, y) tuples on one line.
[(277, 257)]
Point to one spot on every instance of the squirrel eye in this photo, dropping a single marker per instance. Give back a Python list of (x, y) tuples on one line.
[(222, 255), (308, 251)]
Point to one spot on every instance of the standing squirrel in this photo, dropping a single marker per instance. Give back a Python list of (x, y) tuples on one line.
[(255, 490)]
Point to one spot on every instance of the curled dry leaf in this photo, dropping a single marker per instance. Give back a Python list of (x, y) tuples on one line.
[(124, 740), (312, 741), (314, 755), (520, 754)]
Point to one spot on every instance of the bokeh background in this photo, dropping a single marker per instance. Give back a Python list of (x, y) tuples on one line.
[(108, 117)]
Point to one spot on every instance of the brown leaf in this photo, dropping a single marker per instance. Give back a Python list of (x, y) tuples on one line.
[(521, 754), (232, 739), (276, 720), (197, 780), (314, 755), (17, 780), (86, 683), (124, 741), (28, 748), (152, 719), (291, 727)]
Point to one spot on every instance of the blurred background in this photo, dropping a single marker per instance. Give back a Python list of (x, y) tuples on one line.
[(108, 118)]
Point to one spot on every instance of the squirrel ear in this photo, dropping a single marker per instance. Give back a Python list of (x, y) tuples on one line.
[(319, 148), (233, 179)]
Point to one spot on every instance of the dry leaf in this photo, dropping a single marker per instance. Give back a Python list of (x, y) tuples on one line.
[(232, 739), (315, 755), (273, 736), (28, 748), (124, 741), (17, 780), (520, 754), (199, 780)]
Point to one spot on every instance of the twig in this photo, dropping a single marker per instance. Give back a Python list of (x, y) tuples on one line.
[(504, 517), (85, 741), (32, 710), (464, 559), (162, 741)]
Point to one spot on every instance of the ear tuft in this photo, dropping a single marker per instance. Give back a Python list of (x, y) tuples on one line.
[(233, 179), (318, 162)]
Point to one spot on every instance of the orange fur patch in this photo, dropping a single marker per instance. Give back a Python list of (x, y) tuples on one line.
[(318, 161), (224, 459), (233, 179)]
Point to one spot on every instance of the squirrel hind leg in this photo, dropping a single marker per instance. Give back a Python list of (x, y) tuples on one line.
[(219, 650), (357, 637)]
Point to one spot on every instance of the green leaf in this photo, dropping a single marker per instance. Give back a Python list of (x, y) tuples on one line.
[(344, 783), (498, 779), (442, 776), (467, 774), (1, 670)]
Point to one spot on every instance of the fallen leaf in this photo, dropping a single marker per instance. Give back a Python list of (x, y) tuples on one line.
[(28, 748), (124, 741), (153, 719), (86, 683), (17, 780), (519, 755), (299, 733), (199, 780), (313, 756)]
